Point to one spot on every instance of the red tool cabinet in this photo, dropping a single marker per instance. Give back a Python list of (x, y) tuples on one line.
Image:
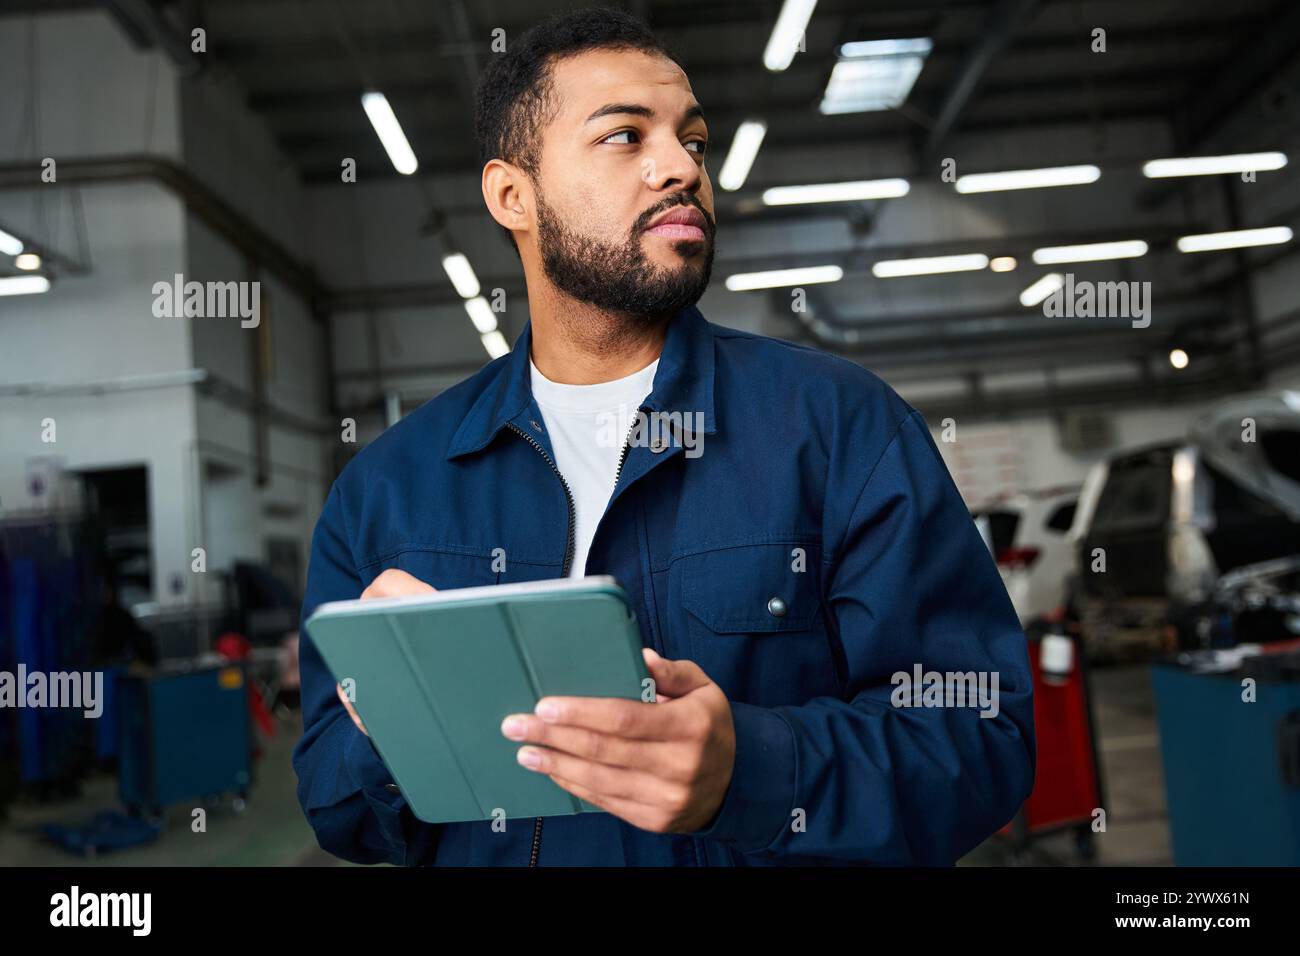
[(1068, 784)]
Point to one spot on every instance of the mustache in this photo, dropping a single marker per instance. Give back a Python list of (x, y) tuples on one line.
[(643, 221)]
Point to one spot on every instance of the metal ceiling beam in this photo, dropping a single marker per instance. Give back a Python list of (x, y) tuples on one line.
[(345, 98), (1217, 100), (1180, 388), (1141, 41), (1005, 18), (203, 202), (1251, 66), (145, 24)]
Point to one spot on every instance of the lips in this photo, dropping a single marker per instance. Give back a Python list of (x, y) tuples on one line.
[(680, 222)]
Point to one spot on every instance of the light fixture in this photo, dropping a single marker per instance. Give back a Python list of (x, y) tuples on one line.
[(858, 190), (873, 75), (1238, 239), (1002, 263), (1090, 252), (24, 285), (495, 343), (1178, 358), (1213, 165), (788, 34), (1035, 293), (461, 274), (744, 148), (780, 278), (10, 245), (27, 261), (384, 120), (1028, 179), (481, 314), (929, 265)]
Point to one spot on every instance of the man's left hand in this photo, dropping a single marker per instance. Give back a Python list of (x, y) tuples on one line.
[(663, 767)]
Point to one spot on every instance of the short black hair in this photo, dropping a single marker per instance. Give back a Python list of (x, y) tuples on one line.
[(516, 94)]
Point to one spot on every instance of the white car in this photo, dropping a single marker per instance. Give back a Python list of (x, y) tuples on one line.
[(1027, 535)]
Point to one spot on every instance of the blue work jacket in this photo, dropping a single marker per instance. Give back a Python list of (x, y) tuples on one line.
[(808, 550)]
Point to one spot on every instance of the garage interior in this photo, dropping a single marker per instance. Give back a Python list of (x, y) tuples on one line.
[(165, 473)]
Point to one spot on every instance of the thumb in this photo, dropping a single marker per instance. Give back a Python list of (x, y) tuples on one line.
[(675, 678)]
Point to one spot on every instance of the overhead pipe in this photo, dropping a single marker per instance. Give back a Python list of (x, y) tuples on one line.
[(210, 208)]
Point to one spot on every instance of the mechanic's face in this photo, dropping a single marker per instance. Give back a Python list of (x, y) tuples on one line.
[(626, 147)]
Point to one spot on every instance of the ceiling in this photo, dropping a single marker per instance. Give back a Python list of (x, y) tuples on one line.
[(1205, 70)]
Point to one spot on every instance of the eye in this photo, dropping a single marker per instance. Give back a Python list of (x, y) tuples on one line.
[(702, 144), (622, 132)]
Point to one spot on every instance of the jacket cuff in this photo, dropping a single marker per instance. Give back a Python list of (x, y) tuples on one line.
[(759, 801), (369, 774)]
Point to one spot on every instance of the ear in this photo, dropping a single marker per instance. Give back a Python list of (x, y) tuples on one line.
[(508, 195)]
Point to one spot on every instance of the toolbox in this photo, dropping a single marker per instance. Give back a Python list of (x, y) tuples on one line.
[(185, 736), (1231, 765)]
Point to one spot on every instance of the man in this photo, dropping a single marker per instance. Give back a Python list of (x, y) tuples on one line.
[(791, 543)]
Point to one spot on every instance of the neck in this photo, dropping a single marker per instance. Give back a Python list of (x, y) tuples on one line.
[(575, 343)]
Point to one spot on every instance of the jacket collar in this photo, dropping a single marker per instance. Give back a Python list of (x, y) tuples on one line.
[(683, 383)]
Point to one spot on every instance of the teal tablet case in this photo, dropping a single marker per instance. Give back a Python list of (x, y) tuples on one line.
[(434, 675)]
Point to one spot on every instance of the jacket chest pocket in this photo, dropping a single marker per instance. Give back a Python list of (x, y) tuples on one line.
[(445, 569), (751, 617)]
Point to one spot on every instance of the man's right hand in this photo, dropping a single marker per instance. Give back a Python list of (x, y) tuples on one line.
[(390, 583)]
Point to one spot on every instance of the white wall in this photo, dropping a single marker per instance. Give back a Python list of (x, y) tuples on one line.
[(232, 152), (1034, 459), (94, 96)]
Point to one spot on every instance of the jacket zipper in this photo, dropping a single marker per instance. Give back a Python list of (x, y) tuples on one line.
[(568, 554), (564, 573), (627, 446)]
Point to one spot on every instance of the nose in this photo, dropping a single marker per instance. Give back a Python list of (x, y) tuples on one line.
[(672, 167)]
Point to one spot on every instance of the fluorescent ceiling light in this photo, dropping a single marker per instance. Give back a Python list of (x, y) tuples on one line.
[(10, 245), (929, 265), (390, 132), (495, 343), (788, 33), (28, 261), (859, 48), (1028, 179), (744, 147), (836, 192), (1040, 290), (1091, 252), (779, 278), (1213, 165), (461, 274), (1239, 239), (874, 75), (481, 314), (24, 285), (1002, 263)]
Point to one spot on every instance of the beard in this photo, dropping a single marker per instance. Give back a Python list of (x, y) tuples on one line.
[(619, 277)]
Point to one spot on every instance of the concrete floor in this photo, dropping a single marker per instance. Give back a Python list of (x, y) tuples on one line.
[(272, 831)]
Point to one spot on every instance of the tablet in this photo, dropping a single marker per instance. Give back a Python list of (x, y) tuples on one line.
[(432, 676)]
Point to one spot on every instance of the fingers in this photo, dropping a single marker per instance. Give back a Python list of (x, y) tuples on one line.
[(396, 583), (617, 782), (677, 678), (649, 756), (352, 712), (632, 719)]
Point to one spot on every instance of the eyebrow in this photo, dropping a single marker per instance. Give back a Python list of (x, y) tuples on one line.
[(636, 109)]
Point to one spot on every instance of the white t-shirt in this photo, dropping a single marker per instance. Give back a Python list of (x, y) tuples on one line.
[(587, 425)]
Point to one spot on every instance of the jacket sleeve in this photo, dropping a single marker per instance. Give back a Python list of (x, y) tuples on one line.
[(910, 582), (343, 785)]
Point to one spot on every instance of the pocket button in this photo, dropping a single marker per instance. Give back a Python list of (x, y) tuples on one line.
[(776, 607)]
